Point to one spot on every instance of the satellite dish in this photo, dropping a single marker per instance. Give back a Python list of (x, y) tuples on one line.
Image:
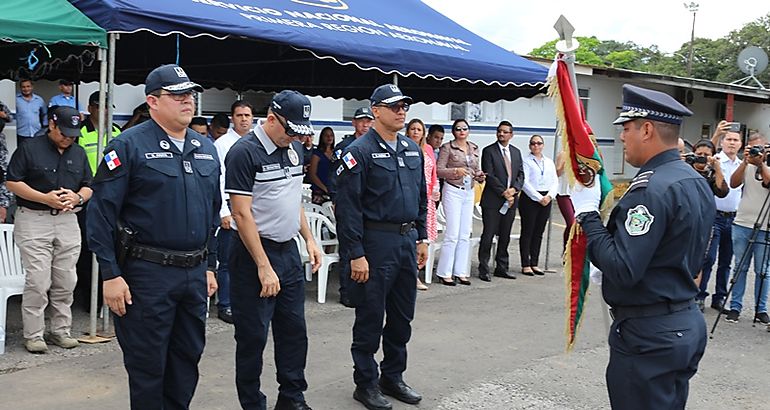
[(752, 60)]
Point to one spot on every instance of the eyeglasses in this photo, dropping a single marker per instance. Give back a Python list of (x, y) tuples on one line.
[(536, 143), (458, 129), (177, 97), (395, 107), (290, 132)]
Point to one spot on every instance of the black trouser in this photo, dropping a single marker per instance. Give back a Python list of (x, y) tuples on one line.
[(389, 295), (162, 333), (500, 225), (653, 358), (252, 316), (533, 219)]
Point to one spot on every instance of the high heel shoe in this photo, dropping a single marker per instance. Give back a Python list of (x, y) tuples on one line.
[(537, 271), (463, 281), (446, 282), (421, 286)]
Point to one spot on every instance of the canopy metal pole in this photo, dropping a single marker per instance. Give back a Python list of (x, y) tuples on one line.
[(395, 78), (92, 336), (108, 136)]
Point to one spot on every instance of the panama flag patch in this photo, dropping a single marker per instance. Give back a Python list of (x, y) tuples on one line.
[(350, 162), (112, 160)]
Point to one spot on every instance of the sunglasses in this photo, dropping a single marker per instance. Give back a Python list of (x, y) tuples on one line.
[(395, 107), (290, 132), (535, 143), (458, 129)]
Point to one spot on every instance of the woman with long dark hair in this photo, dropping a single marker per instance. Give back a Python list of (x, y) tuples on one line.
[(320, 164), (458, 164)]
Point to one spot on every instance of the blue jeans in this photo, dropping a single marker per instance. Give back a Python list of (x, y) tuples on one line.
[(722, 239), (223, 274), (741, 236)]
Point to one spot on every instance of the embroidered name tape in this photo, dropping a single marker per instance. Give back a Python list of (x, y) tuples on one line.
[(204, 156), (380, 155), (156, 155), (270, 167), (412, 153)]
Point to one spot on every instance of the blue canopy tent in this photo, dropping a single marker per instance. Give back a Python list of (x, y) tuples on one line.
[(335, 48)]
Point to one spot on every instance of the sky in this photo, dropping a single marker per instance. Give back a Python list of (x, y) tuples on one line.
[(524, 25)]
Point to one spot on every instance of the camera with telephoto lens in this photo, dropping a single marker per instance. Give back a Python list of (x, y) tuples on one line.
[(693, 159)]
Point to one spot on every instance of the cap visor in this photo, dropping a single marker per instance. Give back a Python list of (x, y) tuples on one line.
[(358, 117), (70, 132), (183, 88), (301, 127), (396, 98), (621, 120)]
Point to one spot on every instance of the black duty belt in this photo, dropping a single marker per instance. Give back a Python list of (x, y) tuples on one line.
[(168, 257), (726, 214), (402, 229), (656, 309)]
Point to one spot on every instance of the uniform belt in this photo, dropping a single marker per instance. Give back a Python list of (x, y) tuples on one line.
[(402, 229), (726, 214), (168, 257), (656, 309)]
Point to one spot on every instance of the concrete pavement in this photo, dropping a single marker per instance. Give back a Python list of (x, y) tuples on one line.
[(497, 345)]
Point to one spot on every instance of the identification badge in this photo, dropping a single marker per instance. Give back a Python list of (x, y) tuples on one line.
[(400, 162), (287, 172), (187, 167), (380, 155), (271, 167)]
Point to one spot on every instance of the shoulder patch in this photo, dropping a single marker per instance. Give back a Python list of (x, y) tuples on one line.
[(638, 220), (349, 160), (112, 160)]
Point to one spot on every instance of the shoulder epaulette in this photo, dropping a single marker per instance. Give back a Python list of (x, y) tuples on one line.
[(640, 181)]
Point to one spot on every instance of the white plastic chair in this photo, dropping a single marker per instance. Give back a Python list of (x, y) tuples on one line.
[(11, 275), (329, 248)]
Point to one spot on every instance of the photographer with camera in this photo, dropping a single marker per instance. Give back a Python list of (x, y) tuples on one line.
[(754, 174), (703, 160), (722, 232)]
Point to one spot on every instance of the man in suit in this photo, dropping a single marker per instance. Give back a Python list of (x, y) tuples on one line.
[(501, 162)]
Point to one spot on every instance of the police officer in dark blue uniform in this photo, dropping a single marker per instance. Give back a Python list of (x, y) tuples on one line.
[(381, 209), (362, 121), (649, 253), (151, 225), (264, 181)]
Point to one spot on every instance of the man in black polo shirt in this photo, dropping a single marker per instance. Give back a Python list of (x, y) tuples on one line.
[(50, 176)]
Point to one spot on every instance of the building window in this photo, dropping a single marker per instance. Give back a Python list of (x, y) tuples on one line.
[(584, 94)]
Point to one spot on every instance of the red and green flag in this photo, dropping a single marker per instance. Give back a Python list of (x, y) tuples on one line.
[(584, 165)]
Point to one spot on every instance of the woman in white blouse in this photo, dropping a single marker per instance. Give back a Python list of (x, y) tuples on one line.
[(540, 187)]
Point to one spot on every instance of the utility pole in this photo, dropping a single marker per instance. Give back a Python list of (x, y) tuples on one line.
[(693, 8)]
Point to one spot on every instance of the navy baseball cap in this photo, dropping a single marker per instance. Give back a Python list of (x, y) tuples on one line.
[(363, 112), (388, 94), (67, 119), (641, 103), (93, 99), (295, 108), (172, 78)]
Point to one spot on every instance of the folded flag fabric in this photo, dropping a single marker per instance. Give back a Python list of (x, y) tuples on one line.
[(584, 165)]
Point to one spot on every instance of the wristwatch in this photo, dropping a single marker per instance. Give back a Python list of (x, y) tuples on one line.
[(81, 200), (422, 241)]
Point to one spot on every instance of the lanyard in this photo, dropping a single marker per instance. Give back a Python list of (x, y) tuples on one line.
[(542, 169)]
